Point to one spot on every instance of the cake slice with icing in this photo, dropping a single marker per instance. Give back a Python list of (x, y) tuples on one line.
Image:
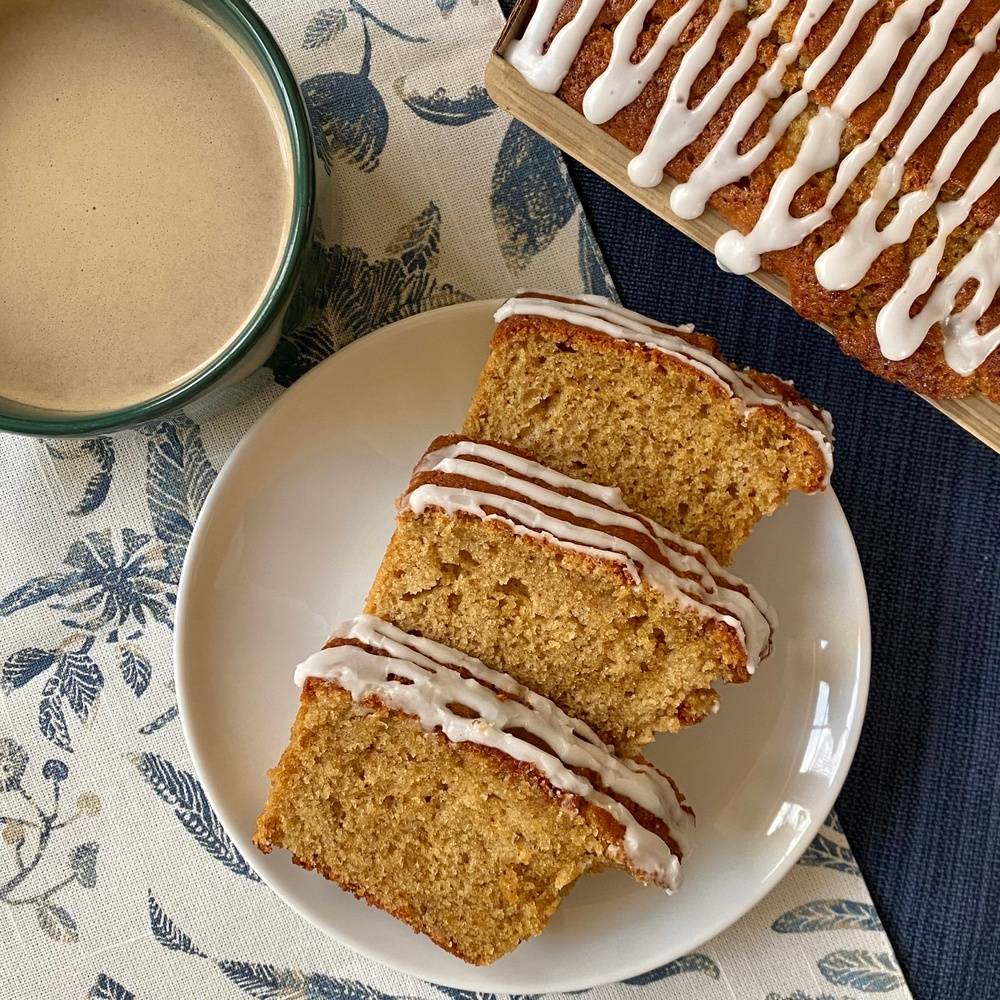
[(453, 797), (603, 393), (559, 583)]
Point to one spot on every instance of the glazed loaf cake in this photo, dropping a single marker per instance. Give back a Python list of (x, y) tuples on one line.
[(604, 394), (852, 145), (557, 582), (454, 798)]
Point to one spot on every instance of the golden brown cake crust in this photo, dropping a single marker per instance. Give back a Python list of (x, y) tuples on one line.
[(850, 314)]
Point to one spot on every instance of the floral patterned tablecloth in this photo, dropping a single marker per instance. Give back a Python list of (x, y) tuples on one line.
[(116, 879)]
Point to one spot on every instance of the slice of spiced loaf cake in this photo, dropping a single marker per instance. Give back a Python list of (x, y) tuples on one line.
[(455, 799), (600, 392), (557, 582)]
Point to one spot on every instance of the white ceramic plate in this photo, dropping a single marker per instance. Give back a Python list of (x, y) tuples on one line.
[(285, 548)]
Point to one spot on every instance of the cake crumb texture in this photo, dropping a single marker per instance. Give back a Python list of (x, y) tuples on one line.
[(625, 659), (620, 413), (446, 837)]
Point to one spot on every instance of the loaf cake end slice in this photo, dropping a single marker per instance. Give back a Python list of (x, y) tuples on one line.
[(448, 795), (604, 394)]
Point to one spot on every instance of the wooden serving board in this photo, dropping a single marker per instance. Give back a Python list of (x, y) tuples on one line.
[(594, 148)]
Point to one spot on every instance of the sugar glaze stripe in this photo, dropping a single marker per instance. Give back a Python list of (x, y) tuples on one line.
[(899, 334)]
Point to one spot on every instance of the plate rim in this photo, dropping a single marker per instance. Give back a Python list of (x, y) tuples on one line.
[(566, 983)]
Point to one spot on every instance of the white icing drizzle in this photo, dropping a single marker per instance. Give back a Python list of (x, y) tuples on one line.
[(777, 228), (848, 260), (623, 80), (595, 312), (724, 163), (844, 264), (424, 679), (545, 71), (686, 572), (965, 349), (678, 123)]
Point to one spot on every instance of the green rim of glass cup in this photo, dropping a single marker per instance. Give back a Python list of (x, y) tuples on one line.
[(237, 18)]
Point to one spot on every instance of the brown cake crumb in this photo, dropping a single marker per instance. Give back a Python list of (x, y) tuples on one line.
[(617, 412), (625, 658)]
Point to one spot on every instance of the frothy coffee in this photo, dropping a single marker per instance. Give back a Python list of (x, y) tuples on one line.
[(145, 197)]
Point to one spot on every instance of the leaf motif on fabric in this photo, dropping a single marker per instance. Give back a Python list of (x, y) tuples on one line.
[(165, 718), (24, 666), (833, 822), (51, 718), (135, 668), (268, 982), (106, 988), (166, 493), (259, 979), (347, 114), (83, 864), (183, 793), (114, 579), (530, 199), (57, 923), (99, 484), (265, 982), (300, 350), (360, 294), (321, 987), (826, 853), (696, 962), (596, 280), (178, 478), (41, 588), (323, 27), (167, 932), (828, 915), (80, 680), (439, 108), (862, 970), (13, 764), (416, 243), (99, 453), (348, 117)]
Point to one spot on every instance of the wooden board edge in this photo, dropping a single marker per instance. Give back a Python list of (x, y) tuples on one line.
[(976, 414), (605, 156), (512, 29)]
